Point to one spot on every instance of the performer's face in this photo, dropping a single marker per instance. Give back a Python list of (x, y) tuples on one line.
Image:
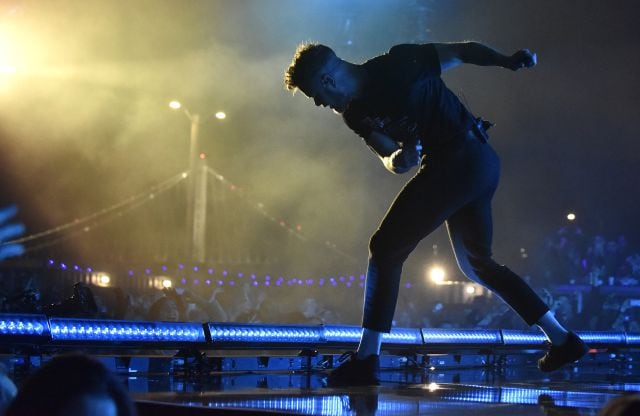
[(326, 91)]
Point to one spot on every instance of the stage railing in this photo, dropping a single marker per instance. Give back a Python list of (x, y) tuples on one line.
[(21, 330)]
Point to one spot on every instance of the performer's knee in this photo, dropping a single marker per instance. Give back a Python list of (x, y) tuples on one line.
[(382, 249), (377, 246), (491, 273), (483, 267)]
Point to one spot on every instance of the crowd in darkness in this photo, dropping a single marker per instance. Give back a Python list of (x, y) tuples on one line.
[(598, 275), (573, 257), (574, 273)]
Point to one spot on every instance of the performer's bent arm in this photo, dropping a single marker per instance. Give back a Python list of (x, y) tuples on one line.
[(454, 54), (395, 159)]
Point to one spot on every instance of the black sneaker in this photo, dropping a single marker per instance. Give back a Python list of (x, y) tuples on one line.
[(355, 372), (572, 350)]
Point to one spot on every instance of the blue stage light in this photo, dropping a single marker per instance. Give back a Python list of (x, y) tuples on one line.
[(318, 405), (436, 336), (14, 325), (513, 395), (342, 333), (351, 334), (516, 395), (523, 338), (63, 329), (601, 338), (408, 336), (633, 338), (256, 336), (478, 394)]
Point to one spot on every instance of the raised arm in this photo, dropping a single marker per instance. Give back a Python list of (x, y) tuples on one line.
[(454, 54)]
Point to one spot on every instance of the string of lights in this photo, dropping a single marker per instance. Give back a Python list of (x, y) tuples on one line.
[(210, 276), (97, 217), (259, 207), (92, 226)]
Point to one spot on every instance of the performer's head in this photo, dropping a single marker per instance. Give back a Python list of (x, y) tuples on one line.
[(320, 75)]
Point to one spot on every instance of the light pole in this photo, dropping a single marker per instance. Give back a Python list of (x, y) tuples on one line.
[(195, 239)]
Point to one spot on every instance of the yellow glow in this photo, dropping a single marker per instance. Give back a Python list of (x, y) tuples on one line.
[(104, 280), (166, 283), (7, 55), (432, 387), (470, 289), (571, 216), (5, 48), (8, 69), (437, 275), (220, 115), (175, 105)]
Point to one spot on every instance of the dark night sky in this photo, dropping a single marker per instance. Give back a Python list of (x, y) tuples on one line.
[(86, 124)]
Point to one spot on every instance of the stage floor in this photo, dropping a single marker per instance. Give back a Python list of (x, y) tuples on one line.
[(513, 389)]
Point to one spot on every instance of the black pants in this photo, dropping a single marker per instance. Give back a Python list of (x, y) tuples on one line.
[(455, 184)]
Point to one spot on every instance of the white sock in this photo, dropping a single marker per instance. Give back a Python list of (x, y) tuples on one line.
[(555, 332), (369, 343)]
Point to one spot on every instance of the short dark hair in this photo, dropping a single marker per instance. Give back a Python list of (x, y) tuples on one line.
[(55, 385), (309, 57), (625, 405)]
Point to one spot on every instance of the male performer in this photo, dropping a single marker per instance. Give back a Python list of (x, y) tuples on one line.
[(400, 106)]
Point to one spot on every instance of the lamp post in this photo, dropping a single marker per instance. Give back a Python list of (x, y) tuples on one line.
[(195, 238)]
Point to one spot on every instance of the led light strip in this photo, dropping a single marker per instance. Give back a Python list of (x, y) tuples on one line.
[(95, 330), (38, 329), (23, 325)]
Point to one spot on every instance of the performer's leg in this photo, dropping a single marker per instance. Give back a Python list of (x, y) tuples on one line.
[(370, 343), (421, 206), (470, 230)]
